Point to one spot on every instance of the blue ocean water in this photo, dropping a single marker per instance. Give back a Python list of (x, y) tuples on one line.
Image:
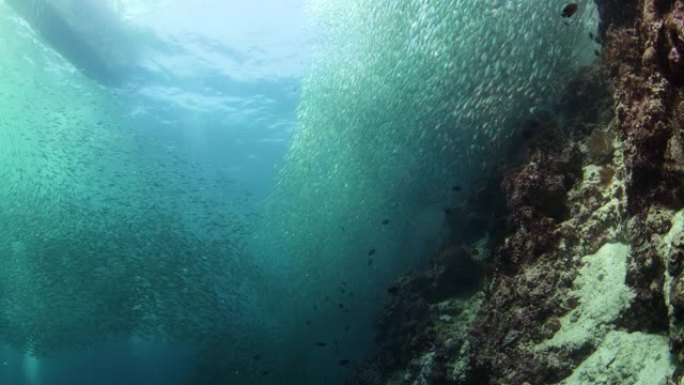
[(220, 192)]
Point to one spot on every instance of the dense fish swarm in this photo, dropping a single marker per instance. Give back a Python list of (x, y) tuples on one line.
[(404, 100), (103, 232)]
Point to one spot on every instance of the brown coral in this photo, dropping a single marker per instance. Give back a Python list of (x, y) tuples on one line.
[(600, 146)]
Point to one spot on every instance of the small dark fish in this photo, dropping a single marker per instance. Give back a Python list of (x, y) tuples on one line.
[(385, 222), (341, 305), (456, 188), (393, 290), (257, 357), (308, 322), (346, 328), (591, 35), (370, 261), (321, 344), (342, 291), (569, 10), (597, 53), (315, 307), (344, 362), (265, 372), (371, 252)]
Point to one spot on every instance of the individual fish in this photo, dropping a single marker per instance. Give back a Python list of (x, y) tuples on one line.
[(569, 10), (321, 344), (343, 362), (456, 188), (371, 252), (385, 222)]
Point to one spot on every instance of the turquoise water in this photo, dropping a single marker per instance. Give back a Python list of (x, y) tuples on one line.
[(219, 193)]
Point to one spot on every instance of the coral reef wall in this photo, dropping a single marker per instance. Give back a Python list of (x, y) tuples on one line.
[(586, 284), (642, 56)]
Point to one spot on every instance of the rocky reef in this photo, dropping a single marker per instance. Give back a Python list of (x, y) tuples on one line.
[(565, 266)]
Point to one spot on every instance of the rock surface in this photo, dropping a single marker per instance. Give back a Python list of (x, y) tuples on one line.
[(585, 284)]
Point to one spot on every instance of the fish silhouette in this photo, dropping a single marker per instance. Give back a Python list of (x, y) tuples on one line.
[(569, 10)]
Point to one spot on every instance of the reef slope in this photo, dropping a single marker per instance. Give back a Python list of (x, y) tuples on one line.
[(578, 253)]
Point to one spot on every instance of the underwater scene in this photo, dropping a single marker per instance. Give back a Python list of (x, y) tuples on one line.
[(343, 192)]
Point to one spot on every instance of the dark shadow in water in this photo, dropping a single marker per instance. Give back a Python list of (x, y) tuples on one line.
[(57, 32)]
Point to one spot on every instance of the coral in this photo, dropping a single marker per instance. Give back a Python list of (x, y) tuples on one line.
[(563, 207), (671, 249), (672, 43), (600, 146), (536, 196), (623, 190), (606, 175), (625, 358), (594, 315)]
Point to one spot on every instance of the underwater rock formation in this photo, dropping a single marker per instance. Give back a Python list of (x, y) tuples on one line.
[(587, 286), (553, 198)]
